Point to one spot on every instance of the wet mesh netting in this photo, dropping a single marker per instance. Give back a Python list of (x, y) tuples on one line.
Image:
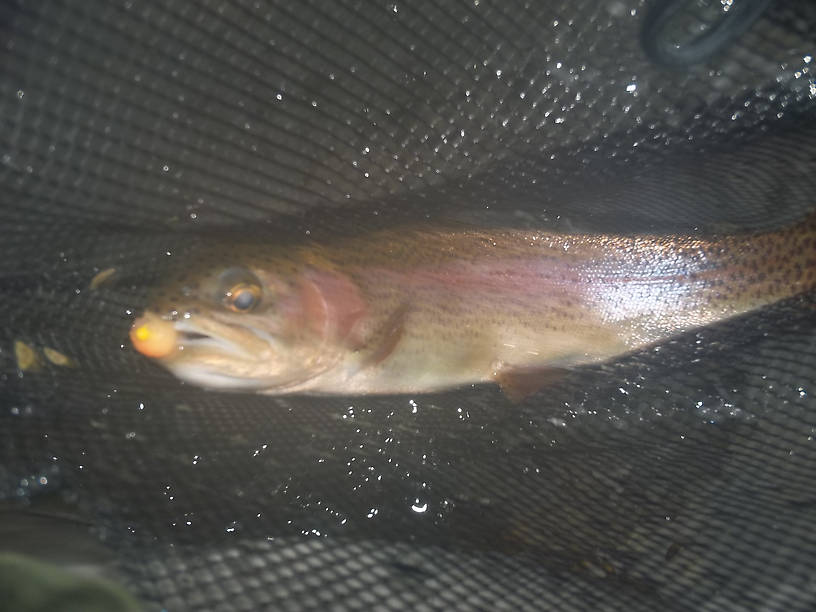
[(678, 478)]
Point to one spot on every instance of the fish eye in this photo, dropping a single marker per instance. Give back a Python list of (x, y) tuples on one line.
[(242, 297), (239, 290)]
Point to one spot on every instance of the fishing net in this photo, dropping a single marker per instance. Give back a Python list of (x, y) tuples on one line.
[(680, 477)]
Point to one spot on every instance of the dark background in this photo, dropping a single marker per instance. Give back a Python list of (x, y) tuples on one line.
[(678, 478)]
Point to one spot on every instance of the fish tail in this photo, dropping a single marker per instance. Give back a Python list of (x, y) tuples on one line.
[(758, 269), (793, 252)]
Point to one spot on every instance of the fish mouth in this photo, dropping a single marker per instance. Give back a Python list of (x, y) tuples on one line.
[(217, 353), (227, 357), (189, 336), (236, 342), (221, 356)]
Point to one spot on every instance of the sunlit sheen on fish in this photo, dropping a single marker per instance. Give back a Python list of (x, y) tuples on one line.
[(413, 310)]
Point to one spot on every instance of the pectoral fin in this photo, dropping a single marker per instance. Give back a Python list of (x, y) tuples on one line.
[(383, 343), (521, 383)]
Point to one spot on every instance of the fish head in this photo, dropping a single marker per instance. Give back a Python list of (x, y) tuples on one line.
[(269, 327)]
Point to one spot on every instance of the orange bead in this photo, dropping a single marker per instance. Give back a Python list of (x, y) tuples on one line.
[(153, 336)]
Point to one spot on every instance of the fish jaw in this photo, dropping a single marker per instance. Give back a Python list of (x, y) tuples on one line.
[(215, 354), (212, 379)]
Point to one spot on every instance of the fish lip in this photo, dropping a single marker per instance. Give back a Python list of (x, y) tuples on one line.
[(210, 379), (192, 336)]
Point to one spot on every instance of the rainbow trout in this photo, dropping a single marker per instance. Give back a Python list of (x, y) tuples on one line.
[(413, 310)]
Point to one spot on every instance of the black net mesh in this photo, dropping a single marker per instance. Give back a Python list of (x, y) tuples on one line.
[(679, 477)]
